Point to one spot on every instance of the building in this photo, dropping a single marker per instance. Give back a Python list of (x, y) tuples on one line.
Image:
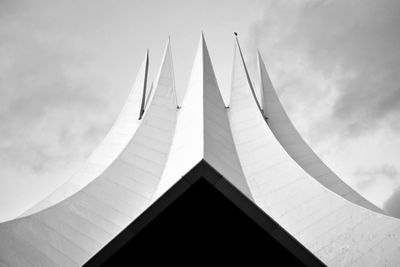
[(250, 152)]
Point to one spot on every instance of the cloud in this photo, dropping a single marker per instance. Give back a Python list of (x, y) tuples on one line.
[(367, 177), (51, 96), (55, 91), (352, 46), (392, 204)]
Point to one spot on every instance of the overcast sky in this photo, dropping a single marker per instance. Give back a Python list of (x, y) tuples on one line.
[(66, 68)]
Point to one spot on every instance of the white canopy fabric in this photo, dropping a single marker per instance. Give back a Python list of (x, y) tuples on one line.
[(255, 155)]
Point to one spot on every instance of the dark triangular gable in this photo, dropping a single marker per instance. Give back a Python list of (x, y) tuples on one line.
[(205, 218)]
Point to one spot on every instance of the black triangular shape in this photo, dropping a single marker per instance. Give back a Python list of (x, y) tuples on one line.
[(205, 219)]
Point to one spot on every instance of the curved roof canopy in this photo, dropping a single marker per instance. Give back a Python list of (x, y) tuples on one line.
[(154, 144)]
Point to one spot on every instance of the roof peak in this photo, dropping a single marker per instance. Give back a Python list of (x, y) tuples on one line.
[(203, 131)]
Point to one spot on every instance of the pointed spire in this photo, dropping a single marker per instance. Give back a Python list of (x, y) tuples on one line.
[(241, 85), (146, 71), (297, 148), (219, 147), (165, 76), (259, 75), (138, 92), (148, 96), (187, 147), (115, 141), (269, 98), (242, 65), (203, 130)]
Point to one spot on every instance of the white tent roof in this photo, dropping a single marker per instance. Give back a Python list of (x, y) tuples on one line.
[(337, 230), (115, 141), (294, 144), (334, 222), (203, 130)]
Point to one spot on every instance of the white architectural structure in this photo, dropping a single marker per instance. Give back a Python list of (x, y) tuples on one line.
[(253, 146)]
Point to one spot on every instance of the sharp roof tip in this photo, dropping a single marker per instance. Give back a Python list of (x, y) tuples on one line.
[(259, 55), (236, 38), (202, 39)]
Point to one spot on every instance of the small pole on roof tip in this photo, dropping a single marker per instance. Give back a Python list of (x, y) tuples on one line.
[(235, 33)]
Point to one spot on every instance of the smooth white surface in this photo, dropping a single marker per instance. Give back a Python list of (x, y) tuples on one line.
[(238, 144), (297, 148), (72, 231), (203, 130), (108, 150), (337, 231)]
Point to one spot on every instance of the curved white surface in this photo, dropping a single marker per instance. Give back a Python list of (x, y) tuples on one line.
[(108, 150), (238, 144), (72, 231), (203, 130), (297, 148), (337, 231)]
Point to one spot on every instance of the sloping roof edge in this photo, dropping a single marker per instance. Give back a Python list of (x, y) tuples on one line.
[(203, 170)]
